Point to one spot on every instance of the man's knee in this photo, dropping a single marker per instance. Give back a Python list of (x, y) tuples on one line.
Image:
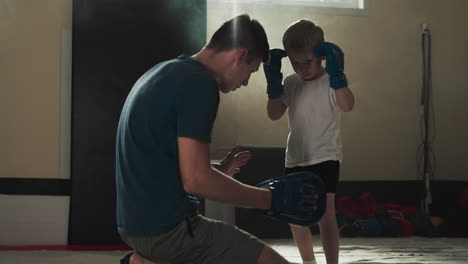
[(139, 259), (270, 256)]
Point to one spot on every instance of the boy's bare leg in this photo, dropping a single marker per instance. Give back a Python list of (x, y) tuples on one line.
[(303, 238), (329, 233)]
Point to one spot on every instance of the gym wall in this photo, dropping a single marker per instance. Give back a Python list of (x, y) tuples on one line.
[(59, 141), (383, 62), (35, 86)]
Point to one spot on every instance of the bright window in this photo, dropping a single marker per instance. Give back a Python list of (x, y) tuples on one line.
[(334, 7), (353, 4)]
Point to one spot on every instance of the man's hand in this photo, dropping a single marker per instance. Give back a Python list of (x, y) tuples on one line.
[(233, 161)]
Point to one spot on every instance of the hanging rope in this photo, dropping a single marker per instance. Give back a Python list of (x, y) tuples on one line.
[(426, 156)]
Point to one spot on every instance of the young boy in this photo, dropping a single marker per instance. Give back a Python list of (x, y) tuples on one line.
[(315, 97)]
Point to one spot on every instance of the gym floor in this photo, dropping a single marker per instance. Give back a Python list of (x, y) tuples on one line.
[(414, 250)]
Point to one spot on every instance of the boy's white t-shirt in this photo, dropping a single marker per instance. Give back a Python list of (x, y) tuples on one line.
[(314, 121)]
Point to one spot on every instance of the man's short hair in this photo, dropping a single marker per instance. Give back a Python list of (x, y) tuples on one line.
[(242, 32), (301, 36)]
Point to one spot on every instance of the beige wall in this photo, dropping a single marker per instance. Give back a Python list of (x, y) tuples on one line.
[(383, 65), (30, 78)]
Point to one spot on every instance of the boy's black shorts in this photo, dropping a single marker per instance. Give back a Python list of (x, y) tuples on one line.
[(328, 171)]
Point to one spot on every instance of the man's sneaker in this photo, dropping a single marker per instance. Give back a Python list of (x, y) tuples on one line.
[(126, 259)]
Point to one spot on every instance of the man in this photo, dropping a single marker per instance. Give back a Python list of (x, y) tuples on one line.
[(163, 156)]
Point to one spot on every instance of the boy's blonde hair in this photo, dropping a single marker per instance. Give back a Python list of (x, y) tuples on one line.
[(302, 36)]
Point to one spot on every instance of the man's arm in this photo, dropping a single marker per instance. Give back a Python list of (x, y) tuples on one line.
[(276, 108), (199, 178), (345, 99)]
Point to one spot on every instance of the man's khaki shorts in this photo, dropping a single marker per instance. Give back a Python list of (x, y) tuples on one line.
[(199, 240)]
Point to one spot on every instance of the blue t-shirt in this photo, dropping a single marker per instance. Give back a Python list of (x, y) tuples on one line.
[(176, 98)]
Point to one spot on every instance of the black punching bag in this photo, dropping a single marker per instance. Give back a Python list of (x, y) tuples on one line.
[(114, 42)]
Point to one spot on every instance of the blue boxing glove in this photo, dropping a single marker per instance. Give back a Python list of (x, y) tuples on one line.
[(273, 73), (335, 63), (297, 198)]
